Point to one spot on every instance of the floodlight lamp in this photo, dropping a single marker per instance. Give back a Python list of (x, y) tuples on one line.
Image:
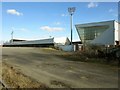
[(71, 10)]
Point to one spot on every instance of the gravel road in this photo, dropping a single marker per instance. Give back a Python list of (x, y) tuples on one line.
[(44, 66)]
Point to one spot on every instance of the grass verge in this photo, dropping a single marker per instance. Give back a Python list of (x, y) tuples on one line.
[(15, 79)]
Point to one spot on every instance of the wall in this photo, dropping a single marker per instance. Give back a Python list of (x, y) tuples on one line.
[(106, 38), (32, 42), (119, 31), (67, 48), (116, 31)]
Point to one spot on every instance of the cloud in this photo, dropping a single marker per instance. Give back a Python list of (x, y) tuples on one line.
[(14, 12), (64, 15), (47, 28), (92, 5)]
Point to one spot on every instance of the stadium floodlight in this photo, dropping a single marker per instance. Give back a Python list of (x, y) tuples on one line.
[(71, 11)]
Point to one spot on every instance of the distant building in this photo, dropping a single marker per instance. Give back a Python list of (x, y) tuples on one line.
[(77, 45), (17, 40), (30, 43), (62, 41), (99, 33)]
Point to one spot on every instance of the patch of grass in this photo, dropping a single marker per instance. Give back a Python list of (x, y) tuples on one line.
[(86, 57)]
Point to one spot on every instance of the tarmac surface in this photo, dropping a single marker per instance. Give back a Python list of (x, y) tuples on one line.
[(44, 66)]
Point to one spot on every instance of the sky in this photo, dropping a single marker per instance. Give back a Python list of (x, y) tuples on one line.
[(41, 20)]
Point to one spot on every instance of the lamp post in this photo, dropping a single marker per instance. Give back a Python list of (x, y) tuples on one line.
[(71, 11)]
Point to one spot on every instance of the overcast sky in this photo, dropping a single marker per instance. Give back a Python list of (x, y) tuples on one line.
[(37, 20)]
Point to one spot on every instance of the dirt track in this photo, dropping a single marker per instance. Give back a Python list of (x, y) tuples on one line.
[(44, 66), (15, 79)]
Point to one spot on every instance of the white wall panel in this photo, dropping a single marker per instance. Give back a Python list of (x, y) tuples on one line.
[(107, 37)]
